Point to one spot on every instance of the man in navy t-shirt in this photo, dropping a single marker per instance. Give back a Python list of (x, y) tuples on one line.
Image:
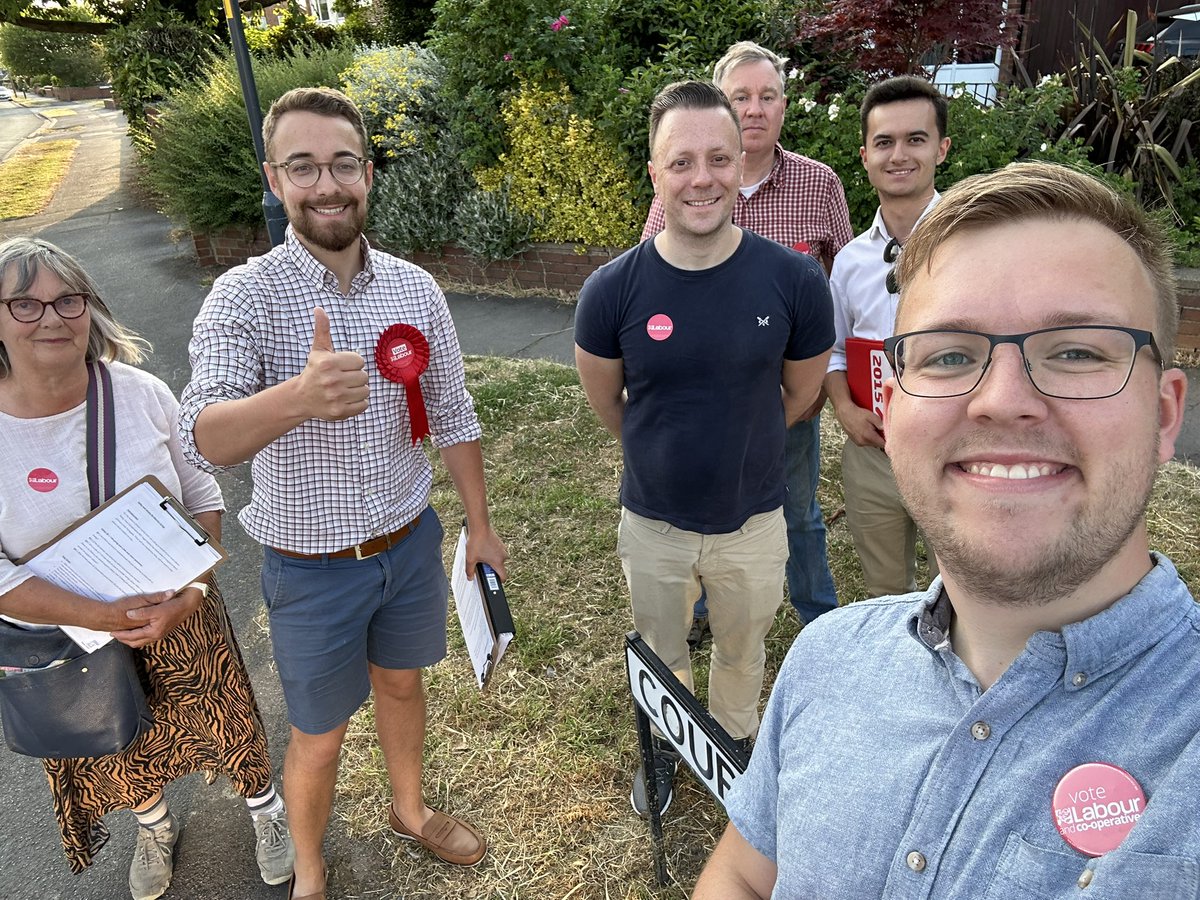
[(697, 349)]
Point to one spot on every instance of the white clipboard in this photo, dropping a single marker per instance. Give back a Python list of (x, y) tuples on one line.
[(139, 542)]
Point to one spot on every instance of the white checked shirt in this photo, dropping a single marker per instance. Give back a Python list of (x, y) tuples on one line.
[(862, 306), (325, 486)]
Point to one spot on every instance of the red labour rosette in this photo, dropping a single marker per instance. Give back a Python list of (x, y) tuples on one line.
[(401, 355)]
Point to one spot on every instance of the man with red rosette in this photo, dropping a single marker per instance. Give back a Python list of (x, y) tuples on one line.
[(326, 362), (696, 348)]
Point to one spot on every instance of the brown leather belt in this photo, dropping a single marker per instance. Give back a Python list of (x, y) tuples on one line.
[(365, 550)]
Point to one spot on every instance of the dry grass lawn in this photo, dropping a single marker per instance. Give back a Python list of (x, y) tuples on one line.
[(543, 760), (32, 175)]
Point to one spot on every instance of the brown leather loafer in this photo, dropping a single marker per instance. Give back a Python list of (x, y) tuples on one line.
[(292, 895), (449, 839)]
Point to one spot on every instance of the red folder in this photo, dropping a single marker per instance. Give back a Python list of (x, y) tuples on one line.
[(866, 370)]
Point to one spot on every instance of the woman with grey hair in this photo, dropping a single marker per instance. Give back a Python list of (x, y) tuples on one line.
[(53, 325)]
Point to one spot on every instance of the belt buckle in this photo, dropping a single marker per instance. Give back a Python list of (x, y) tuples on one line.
[(360, 556)]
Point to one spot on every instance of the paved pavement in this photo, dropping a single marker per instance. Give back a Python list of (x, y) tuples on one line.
[(149, 275), (148, 272)]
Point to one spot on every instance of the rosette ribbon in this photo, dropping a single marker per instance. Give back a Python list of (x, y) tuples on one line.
[(401, 355)]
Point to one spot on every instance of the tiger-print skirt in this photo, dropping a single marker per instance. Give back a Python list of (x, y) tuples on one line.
[(205, 719)]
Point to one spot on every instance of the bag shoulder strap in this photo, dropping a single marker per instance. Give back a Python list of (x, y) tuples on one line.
[(101, 435)]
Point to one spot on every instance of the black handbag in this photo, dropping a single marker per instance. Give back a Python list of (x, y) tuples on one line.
[(66, 703)]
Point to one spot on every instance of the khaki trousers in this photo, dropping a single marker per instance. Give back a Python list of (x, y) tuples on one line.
[(885, 536), (742, 574)]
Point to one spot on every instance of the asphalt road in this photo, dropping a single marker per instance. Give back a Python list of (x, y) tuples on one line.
[(16, 124)]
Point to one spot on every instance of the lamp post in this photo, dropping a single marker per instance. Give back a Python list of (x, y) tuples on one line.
[(273, 210)]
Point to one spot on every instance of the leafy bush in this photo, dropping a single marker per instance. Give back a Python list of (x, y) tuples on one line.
[(625, 118), (405, 21), (487, 225), (488, 45), (415, 199), (1127, 115), (156, 53), (396, 91), (297, 32), (201, 161), (49, 57), (563, 174)]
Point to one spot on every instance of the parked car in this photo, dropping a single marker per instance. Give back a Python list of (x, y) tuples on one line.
[(1173, 32), (5, 93)]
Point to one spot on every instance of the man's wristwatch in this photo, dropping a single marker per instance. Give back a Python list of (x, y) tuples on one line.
[(202, 587)]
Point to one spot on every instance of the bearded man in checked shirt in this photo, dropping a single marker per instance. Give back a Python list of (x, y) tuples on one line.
[(283, 373)]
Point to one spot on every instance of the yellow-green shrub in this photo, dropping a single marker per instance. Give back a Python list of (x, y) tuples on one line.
[(562, 172)]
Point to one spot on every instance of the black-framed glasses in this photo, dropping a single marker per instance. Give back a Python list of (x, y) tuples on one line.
[(30, 309), (305, 173), (891, 253), (1073, 362)]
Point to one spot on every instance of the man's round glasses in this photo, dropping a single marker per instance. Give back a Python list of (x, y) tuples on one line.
[(305, 173), (1081, 362), (30, 309)]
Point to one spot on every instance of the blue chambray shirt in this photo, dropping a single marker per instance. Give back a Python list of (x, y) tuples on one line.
[(883, 771)]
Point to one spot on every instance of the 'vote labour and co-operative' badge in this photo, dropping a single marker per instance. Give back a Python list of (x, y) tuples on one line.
[(401, 355), (1095, 805)]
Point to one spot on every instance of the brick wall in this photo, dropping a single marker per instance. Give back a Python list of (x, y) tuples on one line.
[(554, 267), (1189, 309)]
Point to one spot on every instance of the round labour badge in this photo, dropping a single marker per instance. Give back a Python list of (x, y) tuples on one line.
[(401, 355), (660, 327), (1095, 805), (42, 480)]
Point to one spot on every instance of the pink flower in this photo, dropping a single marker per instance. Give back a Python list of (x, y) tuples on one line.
[(508, 57), (560, 23)]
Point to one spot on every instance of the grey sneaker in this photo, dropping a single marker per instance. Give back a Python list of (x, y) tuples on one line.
[(153, 860), (666, 762), (274, 851)]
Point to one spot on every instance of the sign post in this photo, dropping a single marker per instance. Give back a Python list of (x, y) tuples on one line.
[(659, 698), (273, 211)]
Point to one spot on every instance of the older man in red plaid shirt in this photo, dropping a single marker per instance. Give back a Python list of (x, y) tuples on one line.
[(800, 203)]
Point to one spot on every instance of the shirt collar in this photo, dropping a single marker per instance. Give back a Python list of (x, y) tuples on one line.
[(878, 230), (1085, 650), (776, 167), (317, 273)]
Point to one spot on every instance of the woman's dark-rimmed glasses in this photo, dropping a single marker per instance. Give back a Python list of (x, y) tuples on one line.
[(28, 310), (304, 173), (1072, 362)]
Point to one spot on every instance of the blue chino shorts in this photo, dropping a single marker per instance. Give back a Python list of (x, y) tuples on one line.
[(330, 617)]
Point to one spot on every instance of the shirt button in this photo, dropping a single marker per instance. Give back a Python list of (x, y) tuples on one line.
[(916, 861), (981, 731), (1080, 679)]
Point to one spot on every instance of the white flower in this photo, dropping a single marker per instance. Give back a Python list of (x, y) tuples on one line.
[(1045, 80), (808, 104), (958, 92), (794, 73), (833, 112), (1043, 147)]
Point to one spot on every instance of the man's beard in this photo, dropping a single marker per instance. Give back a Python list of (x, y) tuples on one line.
[(333, 236), (1053, 570)]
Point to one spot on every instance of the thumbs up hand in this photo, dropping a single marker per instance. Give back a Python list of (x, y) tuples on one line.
[(333, 385)]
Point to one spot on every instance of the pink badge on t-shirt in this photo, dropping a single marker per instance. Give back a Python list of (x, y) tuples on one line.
[(1095, 805), (42, 480), (802, 246), (660, 327)]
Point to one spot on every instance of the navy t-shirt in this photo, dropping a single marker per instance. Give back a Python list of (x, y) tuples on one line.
[(703, 351)]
